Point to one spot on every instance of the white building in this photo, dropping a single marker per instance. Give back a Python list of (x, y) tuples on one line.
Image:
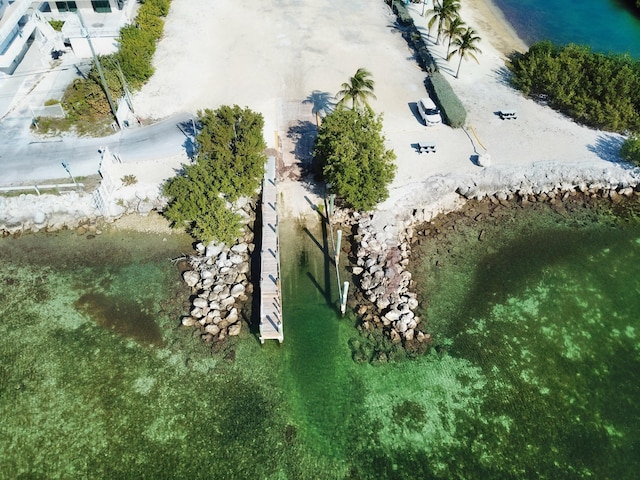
[(25, 23)]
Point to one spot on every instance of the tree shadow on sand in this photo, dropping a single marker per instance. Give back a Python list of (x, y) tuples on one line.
[(607, 147), (303, 137)]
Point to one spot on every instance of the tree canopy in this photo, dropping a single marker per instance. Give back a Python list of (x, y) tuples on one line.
[(351, 152), (598, 90), (230, 164), (630, 150)]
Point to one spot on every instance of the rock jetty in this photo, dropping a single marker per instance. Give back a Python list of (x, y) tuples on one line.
[(219, 278), (383, 239), (33, 213), (386, 284)]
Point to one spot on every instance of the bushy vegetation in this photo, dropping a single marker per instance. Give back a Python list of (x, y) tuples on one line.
[(56, 25), (630, 150), (453, 112), (595, 89), (403, 15), (85, 100), (354, 161), (229, 165)]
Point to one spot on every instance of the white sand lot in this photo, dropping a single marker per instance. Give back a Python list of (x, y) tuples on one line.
[(273, 55)]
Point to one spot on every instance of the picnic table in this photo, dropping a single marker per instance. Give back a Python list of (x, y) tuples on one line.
[(508, 114), (426, 147)]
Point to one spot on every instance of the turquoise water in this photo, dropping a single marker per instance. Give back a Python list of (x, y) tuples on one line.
[(605, 25), (535, 370)]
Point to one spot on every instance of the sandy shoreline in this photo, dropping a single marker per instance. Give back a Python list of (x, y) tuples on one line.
[(494, 24), (281, 59)]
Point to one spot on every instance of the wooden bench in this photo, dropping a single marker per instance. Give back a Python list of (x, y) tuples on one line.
[(427, 147)]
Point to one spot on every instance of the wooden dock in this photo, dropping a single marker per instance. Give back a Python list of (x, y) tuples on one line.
[(270, 292)]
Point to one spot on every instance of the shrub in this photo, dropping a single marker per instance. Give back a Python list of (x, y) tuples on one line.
[(85, 100), (630, 150), (136, 52), (56, 24), (402, 14), (129, 180), (156, 7), (416, 42), (597, 90), (453, 112), (153, 25)]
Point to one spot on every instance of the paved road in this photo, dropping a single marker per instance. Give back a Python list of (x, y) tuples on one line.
[(26, 158)]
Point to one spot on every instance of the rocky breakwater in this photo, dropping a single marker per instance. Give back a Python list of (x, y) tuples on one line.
[(71, 209), (387, 301), (34, 213), (219, 277)]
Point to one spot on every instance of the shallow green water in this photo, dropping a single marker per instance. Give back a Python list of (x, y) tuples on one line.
[(535, 375)]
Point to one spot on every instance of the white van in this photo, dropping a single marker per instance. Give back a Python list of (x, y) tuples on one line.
[(428, 111)]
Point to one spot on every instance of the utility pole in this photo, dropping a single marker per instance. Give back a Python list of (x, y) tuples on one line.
[(127, 93), (99, 66)]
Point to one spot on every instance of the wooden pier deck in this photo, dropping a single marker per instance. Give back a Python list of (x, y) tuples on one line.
[(270, 292)]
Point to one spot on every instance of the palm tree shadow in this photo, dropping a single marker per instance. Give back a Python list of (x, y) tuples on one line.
[(322, 103), (607, 147)]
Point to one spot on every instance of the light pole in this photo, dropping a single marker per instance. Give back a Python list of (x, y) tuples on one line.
[(66, 167), (424, 2)]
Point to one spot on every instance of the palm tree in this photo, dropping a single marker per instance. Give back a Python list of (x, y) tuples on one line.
[(453, 29), (466, 45), (442, 13), (358, 89)]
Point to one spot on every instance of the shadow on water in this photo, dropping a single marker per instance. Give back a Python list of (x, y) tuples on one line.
[(318, 357), (121, 316), (505, 272)]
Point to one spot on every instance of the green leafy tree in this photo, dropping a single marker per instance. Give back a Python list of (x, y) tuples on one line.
[(465, 46), (630, 150), (231, 142), (598, 90), (230, 164), (358, 89), (351, 153), (442, 13)]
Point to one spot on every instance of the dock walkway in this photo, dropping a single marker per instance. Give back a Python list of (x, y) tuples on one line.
[(270, 292)]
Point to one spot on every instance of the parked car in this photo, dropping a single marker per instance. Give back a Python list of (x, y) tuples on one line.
[(428, 111)]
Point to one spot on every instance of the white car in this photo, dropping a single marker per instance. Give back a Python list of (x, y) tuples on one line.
[(428, 111)]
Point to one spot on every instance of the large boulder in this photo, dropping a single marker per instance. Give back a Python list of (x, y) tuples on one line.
[(200, 302), (237, 290), (212, 329), (191, 277), (240, 248)]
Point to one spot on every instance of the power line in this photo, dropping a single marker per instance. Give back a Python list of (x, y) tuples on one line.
[(61, 68)]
